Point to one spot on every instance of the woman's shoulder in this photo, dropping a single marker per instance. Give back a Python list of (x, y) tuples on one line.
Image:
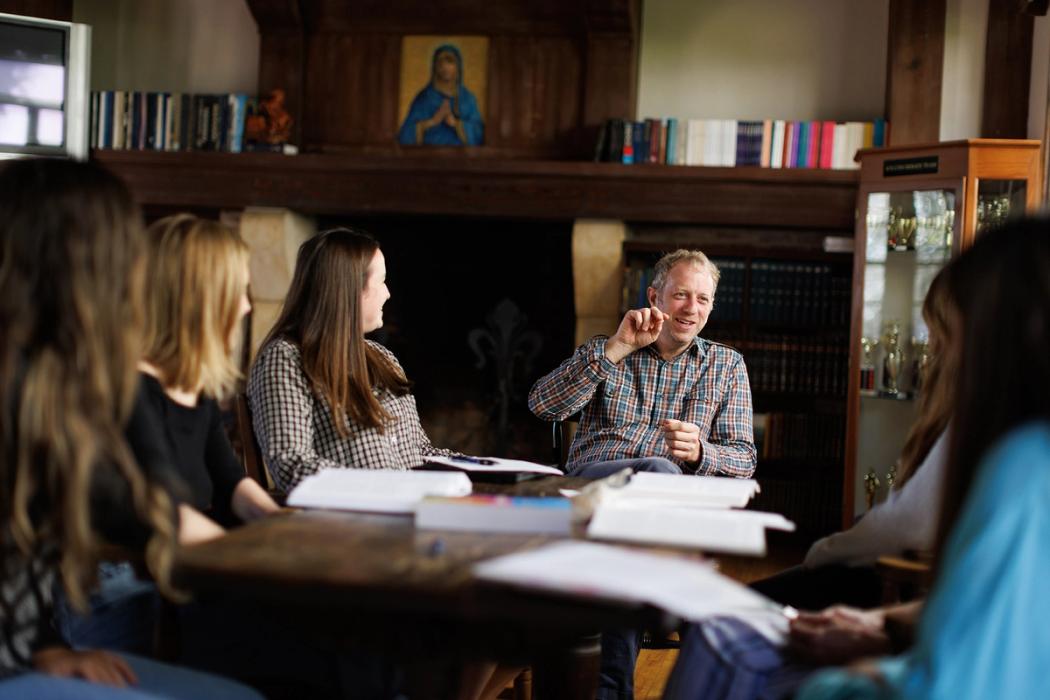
[(384, 351), (1023, 455), (279, 349)]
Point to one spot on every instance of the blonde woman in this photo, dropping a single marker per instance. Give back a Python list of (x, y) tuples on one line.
[(195, 301), (71, 280)]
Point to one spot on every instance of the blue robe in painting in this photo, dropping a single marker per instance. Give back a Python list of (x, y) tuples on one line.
[(428, 101)]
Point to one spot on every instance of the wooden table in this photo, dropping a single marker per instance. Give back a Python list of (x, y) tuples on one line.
[(379, 581)]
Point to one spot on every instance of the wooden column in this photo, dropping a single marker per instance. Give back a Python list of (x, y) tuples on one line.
[(915, 58), (61, 10), (597, 274)]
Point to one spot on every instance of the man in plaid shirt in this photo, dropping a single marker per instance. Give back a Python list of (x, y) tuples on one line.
[(655, 397)]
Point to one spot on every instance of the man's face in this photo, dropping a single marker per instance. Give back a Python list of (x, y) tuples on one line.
[(687, 297), (446, 66)]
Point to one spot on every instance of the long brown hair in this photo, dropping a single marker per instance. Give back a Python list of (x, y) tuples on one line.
[(71, 312), (322, 315), (1002, 286), (198, 273), (937, 396)]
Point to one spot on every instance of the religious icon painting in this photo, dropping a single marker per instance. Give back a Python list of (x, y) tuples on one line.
[(443, 90)]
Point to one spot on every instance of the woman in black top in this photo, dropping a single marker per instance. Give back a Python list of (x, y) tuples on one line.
[(70, 310), (195, 302)]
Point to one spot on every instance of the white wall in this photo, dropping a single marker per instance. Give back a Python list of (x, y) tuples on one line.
[(171, 45), (962, 87), (758, 59), (1037, 90)]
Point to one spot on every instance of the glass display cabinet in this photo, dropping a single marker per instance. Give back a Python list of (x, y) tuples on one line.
[(917, 207)]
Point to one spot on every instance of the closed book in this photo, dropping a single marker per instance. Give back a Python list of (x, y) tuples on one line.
[(790, 144), (672, 142), (776, 154), (628, 142), (766, 146), (880, 135), (827, 143), (614, 150), (601, 145), (813, 147), (495, 513), (641, 141)]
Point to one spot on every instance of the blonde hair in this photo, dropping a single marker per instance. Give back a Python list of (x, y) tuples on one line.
[(693, 257), (71, 282), (198, 273)]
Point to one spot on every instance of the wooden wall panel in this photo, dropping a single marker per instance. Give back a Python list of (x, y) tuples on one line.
[(61, 10), (915, 70), (557, 70), (351, 89), (1007, 72)]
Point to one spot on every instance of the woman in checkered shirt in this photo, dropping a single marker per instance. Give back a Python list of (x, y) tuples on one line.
[(322, 396)]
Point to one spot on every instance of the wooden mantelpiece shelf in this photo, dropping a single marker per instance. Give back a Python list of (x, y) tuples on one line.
[(489, 187)]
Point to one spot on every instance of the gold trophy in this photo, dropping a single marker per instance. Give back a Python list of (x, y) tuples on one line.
[(892, 359), (867, 365), (871, 487), (920, 363)]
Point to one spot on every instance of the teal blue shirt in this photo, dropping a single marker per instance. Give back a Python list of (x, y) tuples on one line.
[(985, 632)]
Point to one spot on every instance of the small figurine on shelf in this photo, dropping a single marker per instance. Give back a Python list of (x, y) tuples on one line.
[(920, 352), (871, 487), (269, 126)]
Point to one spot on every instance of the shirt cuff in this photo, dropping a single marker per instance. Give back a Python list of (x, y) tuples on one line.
[(709, 458), (599, 366)]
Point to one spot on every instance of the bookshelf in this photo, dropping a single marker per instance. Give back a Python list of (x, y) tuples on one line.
[(788, 313)]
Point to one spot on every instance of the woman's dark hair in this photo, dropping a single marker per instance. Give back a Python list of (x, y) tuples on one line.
[(1002, 288), (322, 315)]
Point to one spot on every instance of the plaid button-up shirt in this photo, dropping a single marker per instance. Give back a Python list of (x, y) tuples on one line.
[(624, 403), (297, 433)]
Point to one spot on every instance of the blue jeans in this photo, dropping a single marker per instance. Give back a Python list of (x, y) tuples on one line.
[(156, 681), (600, 470), (620, 647), (121, 616)]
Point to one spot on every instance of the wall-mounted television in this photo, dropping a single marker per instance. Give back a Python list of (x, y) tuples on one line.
[(45, 68)]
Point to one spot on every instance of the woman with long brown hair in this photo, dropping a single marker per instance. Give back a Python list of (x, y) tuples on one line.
[(71, 279), (322, 395)]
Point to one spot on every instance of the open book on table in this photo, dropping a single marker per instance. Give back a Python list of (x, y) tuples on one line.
[(375, 490)]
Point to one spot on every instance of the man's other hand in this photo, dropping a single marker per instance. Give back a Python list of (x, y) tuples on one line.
[(682, 438)]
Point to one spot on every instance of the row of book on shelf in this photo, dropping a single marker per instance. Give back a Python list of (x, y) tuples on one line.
[(169, 121), (808, 436), (795, 293), (770, 143), (787, 364), (810, 498)]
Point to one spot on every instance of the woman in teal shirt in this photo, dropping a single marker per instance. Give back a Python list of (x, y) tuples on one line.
[(985, 632)]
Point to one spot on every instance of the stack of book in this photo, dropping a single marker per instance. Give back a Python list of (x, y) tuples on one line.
[(770, 143), (165, 121)]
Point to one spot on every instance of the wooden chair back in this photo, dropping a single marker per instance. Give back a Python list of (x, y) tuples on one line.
[(251, 453)]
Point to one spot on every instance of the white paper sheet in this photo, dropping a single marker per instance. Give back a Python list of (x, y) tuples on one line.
[(375, 490), (689, 589), (499, 464)]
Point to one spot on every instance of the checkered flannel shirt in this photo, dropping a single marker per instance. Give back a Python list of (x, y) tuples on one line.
[(296, 431), (624, 403)]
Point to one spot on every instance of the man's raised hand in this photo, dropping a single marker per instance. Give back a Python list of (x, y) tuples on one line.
[(639, 327)]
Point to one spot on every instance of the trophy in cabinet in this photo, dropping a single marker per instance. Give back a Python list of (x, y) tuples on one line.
[(892, 358), (871, 487), (867, 364), (920, 352)]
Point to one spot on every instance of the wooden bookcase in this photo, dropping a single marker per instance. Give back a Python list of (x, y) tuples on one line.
[(787, 312)]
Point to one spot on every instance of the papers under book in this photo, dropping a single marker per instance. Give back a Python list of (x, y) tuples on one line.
[(690, 589), (706, 529), (492, 513), (375, 490), (490, 468)]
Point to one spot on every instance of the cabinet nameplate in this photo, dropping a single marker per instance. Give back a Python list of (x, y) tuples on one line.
[(924, 165)]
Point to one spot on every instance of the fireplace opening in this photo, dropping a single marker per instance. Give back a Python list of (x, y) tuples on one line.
[(479, 310)]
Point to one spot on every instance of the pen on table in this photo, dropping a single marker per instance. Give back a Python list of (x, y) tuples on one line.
[(472, 460)]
